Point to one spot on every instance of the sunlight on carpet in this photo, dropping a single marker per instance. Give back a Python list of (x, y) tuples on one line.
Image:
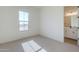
[(32, 46)]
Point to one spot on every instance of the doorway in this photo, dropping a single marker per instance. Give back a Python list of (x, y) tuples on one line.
[(71, 24)]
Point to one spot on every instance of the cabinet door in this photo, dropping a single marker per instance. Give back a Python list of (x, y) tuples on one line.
[(71, 33), (74, 33)]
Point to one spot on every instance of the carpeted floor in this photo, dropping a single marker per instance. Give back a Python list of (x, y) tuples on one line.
[(48, 44)]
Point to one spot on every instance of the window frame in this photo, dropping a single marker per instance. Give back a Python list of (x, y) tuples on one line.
[(23, 21)]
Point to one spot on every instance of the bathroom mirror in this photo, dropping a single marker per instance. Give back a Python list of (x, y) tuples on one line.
[(74, 21), (71, 17)]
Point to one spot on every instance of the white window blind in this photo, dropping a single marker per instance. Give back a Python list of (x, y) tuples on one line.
[(23, 20)]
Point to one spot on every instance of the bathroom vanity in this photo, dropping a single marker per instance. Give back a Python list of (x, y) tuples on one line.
[(70, 32), (71, 27)]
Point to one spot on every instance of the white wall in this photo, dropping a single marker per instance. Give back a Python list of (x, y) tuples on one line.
[(9, 30), (52, 23)]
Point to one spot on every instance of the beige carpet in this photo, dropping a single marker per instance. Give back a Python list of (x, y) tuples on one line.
[(48, 44)]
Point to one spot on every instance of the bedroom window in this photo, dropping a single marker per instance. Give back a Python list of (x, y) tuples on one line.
[(23, 21)]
